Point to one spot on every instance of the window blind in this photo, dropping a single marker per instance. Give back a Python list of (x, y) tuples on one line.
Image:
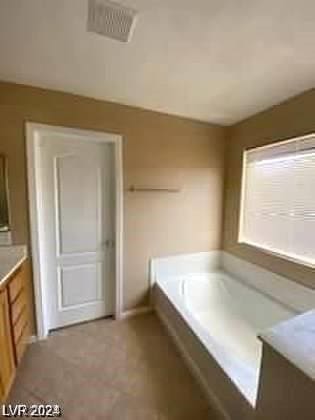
[(278, 198)]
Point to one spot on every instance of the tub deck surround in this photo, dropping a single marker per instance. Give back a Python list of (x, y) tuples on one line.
[(295, 296), (288, 292), (295, 340), (176, 265), (227, 303), (11, 257)]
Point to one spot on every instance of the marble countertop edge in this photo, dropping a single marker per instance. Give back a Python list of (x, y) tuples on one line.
[(294, 339), (11, 257)]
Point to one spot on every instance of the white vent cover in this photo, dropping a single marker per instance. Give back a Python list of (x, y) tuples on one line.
[(111, 19)]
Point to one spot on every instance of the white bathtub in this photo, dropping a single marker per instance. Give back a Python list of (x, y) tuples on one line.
[(227, 314)]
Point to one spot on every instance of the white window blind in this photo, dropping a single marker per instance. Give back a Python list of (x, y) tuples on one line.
[(278, 199)]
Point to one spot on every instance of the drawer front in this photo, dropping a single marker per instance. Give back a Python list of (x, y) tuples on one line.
[(22, 343), (19, 326), (19, 310), (16, 285), (18, 306)]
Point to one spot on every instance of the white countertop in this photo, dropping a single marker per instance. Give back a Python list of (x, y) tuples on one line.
[(295, 340), (10, 258)]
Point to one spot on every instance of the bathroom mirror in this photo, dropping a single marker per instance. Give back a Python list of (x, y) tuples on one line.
[(4, 205)]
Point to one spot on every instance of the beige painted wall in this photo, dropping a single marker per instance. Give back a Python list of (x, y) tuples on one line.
[(158, 149), (292, 118)]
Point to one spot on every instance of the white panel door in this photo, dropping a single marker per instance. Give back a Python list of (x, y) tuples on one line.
[(77, 202)]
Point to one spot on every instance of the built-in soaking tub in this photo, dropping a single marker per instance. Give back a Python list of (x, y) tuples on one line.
[(216, 318)]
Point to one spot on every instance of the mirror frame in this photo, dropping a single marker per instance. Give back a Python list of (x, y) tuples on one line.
[(4, 195)]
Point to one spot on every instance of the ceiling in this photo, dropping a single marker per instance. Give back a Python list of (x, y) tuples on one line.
[(213, 60)]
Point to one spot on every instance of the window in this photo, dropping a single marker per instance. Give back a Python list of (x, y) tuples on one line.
[(278, 199)]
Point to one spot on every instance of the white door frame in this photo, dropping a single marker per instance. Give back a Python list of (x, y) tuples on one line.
[(33, 131)]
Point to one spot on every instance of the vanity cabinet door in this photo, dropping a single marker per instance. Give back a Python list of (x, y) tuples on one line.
[(7, 366)]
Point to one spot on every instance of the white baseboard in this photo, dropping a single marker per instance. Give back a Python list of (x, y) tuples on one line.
[(192, 366), (137, 311)]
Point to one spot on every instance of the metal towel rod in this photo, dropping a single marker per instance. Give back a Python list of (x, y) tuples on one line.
[(133, 188)]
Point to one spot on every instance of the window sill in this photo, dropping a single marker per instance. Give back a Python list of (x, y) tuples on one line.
[(291, 258)]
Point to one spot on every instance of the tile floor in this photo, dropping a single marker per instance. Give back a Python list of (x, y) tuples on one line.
[(118, 370)]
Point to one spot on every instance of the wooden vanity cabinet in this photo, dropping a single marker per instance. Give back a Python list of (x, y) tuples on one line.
[(7, 360), (14, 326), (19, 311)]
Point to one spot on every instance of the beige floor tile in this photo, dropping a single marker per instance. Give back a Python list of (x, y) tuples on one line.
[(19, 396), (119, 370), (129, 408)]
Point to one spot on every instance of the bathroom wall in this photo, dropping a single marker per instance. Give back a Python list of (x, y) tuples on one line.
[(291, 118), (158, 149)]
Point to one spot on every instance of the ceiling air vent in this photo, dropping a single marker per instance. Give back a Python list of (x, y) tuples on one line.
[(111, 19)]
